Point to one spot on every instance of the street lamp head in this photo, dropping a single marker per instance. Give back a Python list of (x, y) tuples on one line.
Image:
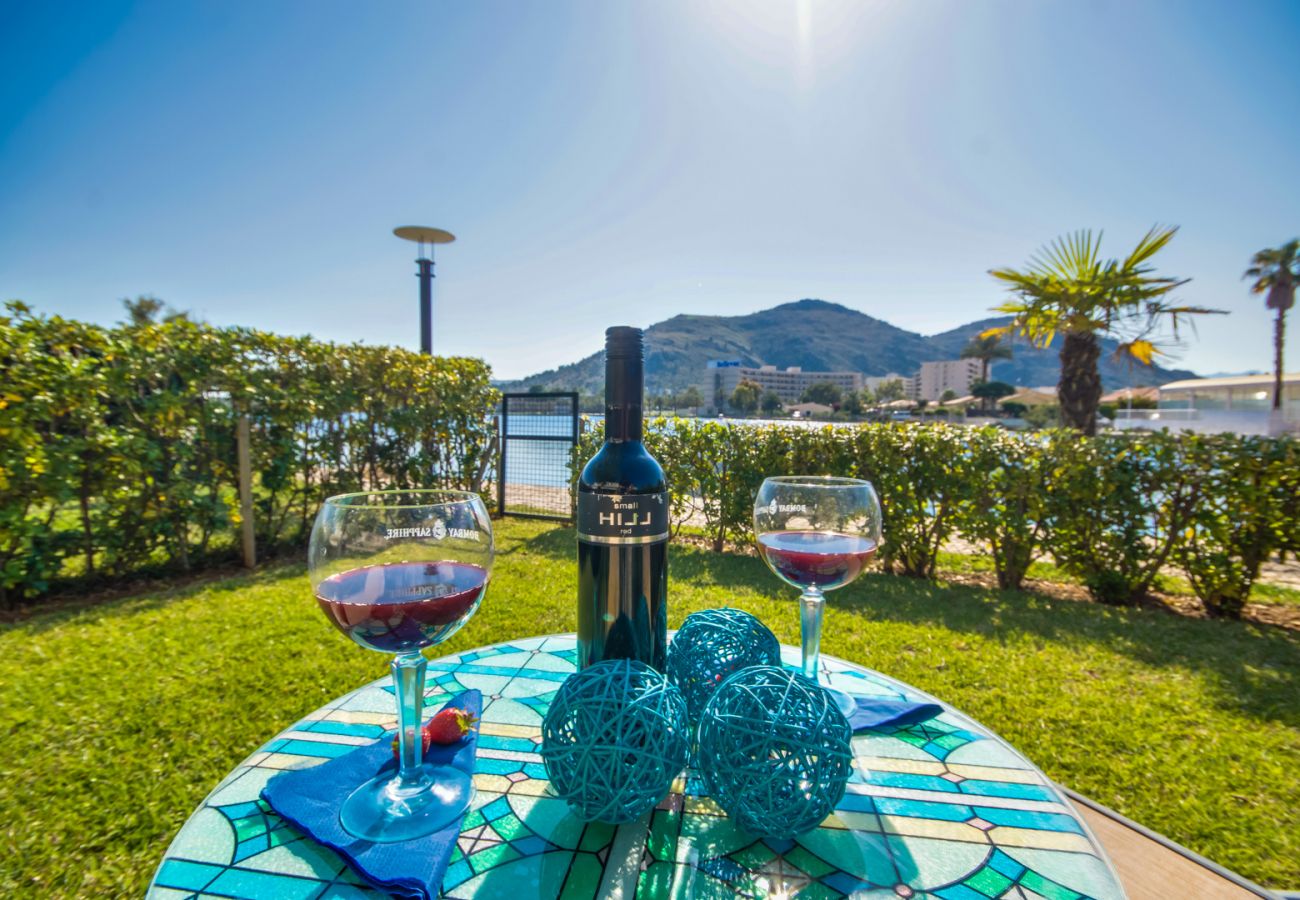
[(423, 234)]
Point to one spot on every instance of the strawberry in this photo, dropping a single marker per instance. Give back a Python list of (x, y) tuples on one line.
[(447, 727)]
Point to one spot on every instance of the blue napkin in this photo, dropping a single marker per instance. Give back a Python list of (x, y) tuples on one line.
[(309, 799), (873, 712)]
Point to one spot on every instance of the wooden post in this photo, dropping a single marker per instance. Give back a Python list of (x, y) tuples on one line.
[(501, 456), (245, 491)]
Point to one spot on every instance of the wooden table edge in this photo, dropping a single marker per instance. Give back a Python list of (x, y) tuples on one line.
[(1138, 867)]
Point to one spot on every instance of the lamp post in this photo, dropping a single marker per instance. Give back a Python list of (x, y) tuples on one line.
[(426, 237)]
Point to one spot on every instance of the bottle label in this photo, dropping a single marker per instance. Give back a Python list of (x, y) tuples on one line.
[(622, 518)]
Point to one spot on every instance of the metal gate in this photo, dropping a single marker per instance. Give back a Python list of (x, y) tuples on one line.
[(538, 432)]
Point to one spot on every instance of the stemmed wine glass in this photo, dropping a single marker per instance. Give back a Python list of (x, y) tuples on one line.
[(398, 571), (817, 533)]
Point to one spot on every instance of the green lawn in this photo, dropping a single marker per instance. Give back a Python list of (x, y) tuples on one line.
[(116, 720), (1260, 592)]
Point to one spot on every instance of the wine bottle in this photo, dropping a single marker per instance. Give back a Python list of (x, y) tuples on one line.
[(622, 525)]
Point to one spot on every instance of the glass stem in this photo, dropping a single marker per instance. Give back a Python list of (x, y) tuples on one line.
[(408, 683), (810, 620)]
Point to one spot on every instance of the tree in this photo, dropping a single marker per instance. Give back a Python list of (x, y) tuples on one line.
[(824, 392), (1042, 416), (947, 395), (746, 395), (986, 348), (144, 310), (1067, 288), (1276, 271), (852, 403), (691, 398), (989, 392), (888, 391), (771, 402)]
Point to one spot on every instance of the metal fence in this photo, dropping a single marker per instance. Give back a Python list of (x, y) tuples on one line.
[(538, 432)]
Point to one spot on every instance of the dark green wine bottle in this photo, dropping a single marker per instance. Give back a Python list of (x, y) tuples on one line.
[(623, 525)]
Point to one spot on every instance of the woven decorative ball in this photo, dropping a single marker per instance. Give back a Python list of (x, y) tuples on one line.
[(774, 751), (614, 738), (713, 644)]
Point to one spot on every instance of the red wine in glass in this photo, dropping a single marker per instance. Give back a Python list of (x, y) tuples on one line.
[(400, 607), (821, 559), (817, 533), (398, 571)]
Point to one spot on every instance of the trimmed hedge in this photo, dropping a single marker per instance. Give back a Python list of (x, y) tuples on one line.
[(1111, 510), (117, 445), (117, 455)]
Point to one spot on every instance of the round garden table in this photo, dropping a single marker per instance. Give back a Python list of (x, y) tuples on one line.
[(943, 809)]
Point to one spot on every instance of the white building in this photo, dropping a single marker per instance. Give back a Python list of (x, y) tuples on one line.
[(956, 375), (1240, 403), (722, 376)]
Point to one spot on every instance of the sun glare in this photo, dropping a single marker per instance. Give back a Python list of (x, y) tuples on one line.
[(812, 34)]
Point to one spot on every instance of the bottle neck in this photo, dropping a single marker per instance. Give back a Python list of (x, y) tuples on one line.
[(624, 383)]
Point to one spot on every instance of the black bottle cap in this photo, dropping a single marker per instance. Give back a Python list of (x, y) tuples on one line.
[(623, 342)]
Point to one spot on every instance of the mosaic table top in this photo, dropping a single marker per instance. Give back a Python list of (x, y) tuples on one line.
[(944, 809)]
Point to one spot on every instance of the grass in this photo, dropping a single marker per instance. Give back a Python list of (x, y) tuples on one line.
[(117, 719), (1268, 593), (1043, 570)]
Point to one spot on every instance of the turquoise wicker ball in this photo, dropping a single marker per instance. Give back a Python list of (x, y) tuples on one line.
[(713, 644), (774, 751), (614, 739)]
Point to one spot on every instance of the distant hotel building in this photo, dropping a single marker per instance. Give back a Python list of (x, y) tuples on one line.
[(935, 378), (722, 375), (1242, 404)]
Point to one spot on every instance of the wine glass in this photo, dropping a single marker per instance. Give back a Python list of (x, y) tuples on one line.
[(817, 533), (398, 571)]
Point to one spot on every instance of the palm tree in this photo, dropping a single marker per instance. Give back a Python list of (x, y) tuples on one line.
[(1068, 289), (1277, 270), (986, 348)]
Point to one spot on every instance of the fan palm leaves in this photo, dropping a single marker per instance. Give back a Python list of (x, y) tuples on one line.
[(1069, 289)]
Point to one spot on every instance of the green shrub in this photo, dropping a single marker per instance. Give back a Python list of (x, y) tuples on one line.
[(714, 472), (1042, 416), (53, 452), (1007, 505), (117, 445), (694, 486), (1113, 510), (1118, 507), (923, 475), (714, 469), (1244, 515), (117, 454)]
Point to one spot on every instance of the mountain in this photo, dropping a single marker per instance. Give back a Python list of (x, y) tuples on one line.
[(818, 336)]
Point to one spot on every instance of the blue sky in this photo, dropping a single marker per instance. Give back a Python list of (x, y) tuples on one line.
[(609, 163)]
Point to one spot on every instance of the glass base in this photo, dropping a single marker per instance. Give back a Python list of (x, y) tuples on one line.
[(382, 811), (845, 701)]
